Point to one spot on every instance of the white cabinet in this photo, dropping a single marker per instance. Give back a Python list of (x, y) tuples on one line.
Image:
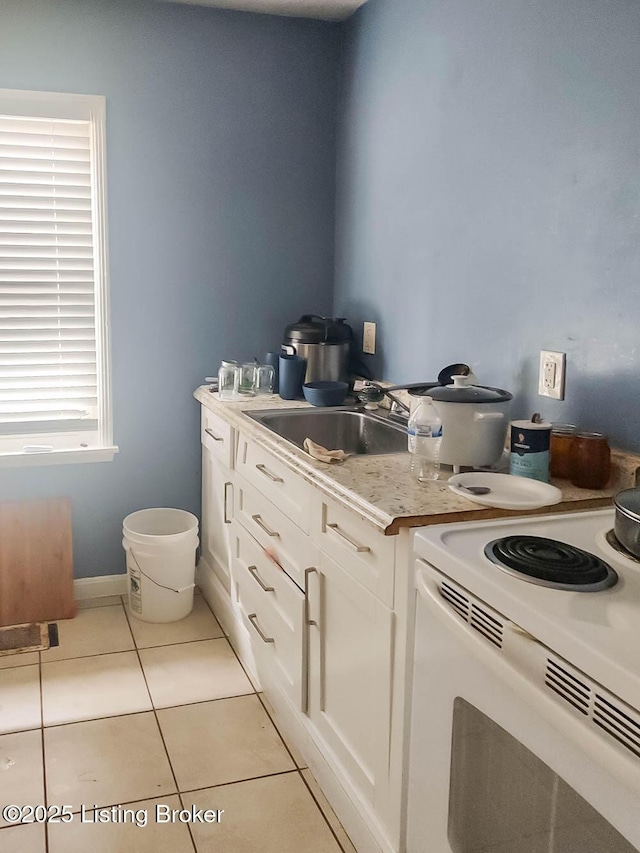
[(350, 665), (217, 509), (314, 605)]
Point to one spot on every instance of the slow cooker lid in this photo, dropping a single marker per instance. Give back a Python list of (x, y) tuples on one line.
[(628, 502)]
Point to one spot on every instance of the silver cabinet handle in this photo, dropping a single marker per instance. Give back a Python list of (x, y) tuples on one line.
[(224, 509), (308, 572), (253, 571), (306, 651), (258, 520), (267, 473), (253, 618), (361, 549), (212, 434)]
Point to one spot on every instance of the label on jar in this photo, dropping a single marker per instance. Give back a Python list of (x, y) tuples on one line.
[(530, 450)]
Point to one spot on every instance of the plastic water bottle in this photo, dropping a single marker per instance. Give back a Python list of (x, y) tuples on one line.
[(424, 439)]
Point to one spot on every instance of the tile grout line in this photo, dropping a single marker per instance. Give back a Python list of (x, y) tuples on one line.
[(155, 715), (153, 708), (133, 713), (180, 793), (44, 756), (276, 727), (319, 807), (235, 654), (299, 770)]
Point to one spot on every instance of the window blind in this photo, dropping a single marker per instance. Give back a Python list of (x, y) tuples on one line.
[(48, 376)]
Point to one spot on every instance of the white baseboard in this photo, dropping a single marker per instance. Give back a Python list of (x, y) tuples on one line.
[(101, 586)]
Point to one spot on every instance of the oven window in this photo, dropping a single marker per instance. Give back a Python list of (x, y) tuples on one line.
[(503, 799)]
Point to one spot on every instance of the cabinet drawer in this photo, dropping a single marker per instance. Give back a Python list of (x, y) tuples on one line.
[(368, 555), (217, 437), (282, 486), (258, 577), (272, 609), (292, 548)]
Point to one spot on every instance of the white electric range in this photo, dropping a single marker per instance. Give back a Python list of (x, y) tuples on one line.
[(525, 725)]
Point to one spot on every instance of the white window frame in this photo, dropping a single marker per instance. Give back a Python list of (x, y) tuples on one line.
[(46, 448)]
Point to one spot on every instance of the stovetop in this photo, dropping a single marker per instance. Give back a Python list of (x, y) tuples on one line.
[(598, 632), (550, 563)]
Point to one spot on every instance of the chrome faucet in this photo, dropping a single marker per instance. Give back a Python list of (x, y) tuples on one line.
[(369, 395)]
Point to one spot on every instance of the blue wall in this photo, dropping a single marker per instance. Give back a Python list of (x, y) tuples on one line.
[(489, 196), (221, 157)]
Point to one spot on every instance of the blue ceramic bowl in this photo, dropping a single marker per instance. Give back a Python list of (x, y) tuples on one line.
[(325, 393)]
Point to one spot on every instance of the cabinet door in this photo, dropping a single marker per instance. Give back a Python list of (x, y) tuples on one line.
[(350, 653), (217, 508)]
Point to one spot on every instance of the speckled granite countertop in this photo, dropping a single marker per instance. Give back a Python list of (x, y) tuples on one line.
[(381, 489)]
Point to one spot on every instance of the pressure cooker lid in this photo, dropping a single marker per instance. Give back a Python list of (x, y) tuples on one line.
[(628, 502), (462, 392), (313, 329)]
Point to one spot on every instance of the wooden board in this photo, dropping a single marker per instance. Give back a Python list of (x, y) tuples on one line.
[(36, 561)]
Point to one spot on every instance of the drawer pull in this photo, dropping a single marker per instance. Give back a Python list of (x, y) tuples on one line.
[(212, 434), (253, 618), (224, 510), (267, 473), (253, 571), (258, 520), (361, 549)]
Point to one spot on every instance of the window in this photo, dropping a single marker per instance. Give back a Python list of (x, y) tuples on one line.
[(55, 402)]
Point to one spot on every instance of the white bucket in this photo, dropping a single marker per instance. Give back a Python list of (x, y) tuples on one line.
[(161, 547)]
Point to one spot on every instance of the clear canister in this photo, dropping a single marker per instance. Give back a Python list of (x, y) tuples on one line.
[(228, 380)]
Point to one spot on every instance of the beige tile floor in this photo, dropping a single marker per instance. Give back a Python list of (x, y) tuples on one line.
[(127, 722)]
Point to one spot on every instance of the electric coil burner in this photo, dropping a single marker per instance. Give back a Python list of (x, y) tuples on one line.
[(547, 562)]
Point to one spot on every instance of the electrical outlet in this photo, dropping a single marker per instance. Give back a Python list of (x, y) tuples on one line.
[(551, 374), (369, 338)]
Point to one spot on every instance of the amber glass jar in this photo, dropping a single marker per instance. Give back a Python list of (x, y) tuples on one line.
[(590, 460), (562, 436)]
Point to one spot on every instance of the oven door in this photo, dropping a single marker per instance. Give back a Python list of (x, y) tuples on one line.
[(499, 762)]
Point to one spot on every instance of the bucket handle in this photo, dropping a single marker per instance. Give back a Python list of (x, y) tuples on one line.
[(162, 586)]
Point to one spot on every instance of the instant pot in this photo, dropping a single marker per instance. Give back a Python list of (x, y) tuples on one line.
[(325, 343)]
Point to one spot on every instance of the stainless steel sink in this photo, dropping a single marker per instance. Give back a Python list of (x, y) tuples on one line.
[(355, 431)]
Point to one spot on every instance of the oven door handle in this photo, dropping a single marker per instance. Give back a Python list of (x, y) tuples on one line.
[(526, 649)]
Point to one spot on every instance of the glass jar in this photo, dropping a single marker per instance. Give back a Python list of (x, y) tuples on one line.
[(562, 436), (264, 378), (228, 380), (590, 460), (247, 379)]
